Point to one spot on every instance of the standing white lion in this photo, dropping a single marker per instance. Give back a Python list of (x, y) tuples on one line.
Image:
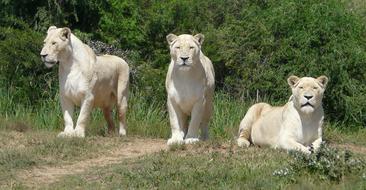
[(294, 126), (86, 80), (190, 84)]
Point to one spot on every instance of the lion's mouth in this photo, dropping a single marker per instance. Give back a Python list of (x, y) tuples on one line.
[(307, 104), (50, 63), (184, 64)]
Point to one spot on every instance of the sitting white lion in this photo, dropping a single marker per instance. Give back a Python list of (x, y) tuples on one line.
[(86, 80), (294, 126), (190, 84)]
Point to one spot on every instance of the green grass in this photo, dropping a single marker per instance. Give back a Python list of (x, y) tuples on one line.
[(215, 164), (24, 150), (144, 118), (28, 140), (210, 166), (147, 119)]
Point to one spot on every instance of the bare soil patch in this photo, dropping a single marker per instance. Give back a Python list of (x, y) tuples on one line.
[(43, 175)]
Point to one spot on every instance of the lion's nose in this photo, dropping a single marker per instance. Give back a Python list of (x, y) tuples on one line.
[(308, 97), (184, 58)]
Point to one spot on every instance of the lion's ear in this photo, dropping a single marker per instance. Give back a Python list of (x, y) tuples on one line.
[(323, 80), (65, 33), (170, 38), (200, 38), (292, 81), (51, 28)]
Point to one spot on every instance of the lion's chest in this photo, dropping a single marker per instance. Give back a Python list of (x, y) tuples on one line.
[(74, 86), (308, 132), (305, 129), (187, 94)]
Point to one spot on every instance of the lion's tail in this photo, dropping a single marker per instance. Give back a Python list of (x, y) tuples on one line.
[(246, 124)]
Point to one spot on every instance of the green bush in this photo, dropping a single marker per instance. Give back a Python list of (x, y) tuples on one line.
[(254, 45), (328, 163), (271, 40), (119, 24), (22, 73)]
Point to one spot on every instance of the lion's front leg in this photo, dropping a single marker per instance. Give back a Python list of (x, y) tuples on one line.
[(291, 144), (316, 144), (176, 117), (83, 118), (194, 125), (67, 110)]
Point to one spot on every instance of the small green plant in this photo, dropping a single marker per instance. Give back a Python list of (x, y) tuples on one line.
[(328, 162)]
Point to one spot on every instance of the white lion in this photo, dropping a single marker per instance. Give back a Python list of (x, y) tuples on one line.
[(190, 84), (86, 80), (294, 126)]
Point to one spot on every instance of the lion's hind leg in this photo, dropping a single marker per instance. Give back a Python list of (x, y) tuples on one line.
[(206, 120), (122, 97), (246, 124), (107, 112)]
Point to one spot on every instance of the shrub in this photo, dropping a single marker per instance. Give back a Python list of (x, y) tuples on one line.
[(22, 72), (119, 24), (328, 162), (270, 40), (254, 45)]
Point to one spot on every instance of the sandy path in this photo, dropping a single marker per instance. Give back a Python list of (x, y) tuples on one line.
[(39, 176)]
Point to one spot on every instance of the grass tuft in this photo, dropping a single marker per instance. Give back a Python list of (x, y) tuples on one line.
[(328, 163)]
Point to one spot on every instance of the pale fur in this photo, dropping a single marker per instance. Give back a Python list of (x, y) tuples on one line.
[(190, 87), (294, 126), (86, 80)]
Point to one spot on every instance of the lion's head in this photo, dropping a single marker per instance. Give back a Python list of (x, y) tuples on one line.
[(185, 49), (307, 92), (56, 45)]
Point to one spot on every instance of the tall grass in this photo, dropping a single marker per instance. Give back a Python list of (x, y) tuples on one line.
[(47, 115), (147, 118)]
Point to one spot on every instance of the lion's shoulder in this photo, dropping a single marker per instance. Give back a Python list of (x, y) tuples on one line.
[(209, 70)]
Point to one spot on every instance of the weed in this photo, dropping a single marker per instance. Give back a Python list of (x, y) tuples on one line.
[(328, 163)]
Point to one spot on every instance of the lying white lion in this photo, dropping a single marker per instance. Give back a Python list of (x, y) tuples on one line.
[(190, 86), (86, 80), (294, 126)]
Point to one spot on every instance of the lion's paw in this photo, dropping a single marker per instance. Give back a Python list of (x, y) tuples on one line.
[(243, 142), (175, 141), (79, 133), (65, 134), (122, 132), (191, 140)]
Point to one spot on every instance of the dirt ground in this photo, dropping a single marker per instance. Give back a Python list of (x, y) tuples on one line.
[(43, 175)]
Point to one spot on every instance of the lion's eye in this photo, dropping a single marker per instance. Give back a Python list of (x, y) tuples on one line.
[(301, 87), (191, 47), (177, 47), (53, 43), (315, 87)]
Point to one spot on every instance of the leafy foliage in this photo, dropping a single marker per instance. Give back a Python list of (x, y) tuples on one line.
[(277, 39), (254, 45), (328, 163), (22, 73)]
